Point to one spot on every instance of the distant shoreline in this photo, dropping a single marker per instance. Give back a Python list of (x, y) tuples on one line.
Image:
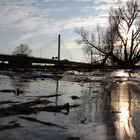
[(67, 68)]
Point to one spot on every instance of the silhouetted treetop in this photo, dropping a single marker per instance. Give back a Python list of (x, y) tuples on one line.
[(22, 50)]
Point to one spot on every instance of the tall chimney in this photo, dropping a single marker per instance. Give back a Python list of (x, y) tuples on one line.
[(59, 47)]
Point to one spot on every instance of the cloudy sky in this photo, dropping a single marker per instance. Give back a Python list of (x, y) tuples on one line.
[(38, 23)]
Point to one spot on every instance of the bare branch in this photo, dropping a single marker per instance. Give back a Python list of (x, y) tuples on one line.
[(120, 43)]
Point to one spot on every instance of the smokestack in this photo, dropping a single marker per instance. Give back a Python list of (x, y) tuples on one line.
[(59, 47)]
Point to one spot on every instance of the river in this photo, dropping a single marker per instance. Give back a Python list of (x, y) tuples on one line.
[(103, 106)]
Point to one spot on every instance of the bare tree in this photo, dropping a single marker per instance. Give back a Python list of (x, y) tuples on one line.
[(120, 43), (92, 44), (22, 50)]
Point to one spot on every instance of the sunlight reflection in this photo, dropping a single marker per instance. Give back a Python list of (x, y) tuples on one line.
[(125, 125), (121, 73)]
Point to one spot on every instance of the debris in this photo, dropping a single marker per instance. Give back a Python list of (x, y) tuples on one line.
[(14, 121), (35, 102), (7, 91), (41, 122), (50, 96), (31, 107), (74, 97), (4, 127), (7, 102), (83, 120), (95, 91), (18, 91), (116, 112), (55, 108), (73, 138), (15, 110)]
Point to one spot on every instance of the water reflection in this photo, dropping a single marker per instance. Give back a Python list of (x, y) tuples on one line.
[(20, 85), (121, 73), (109, 109), (124, 105), (57, 86), (124, 125)]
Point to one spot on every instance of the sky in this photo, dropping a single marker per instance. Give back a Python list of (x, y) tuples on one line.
[(37, 23)]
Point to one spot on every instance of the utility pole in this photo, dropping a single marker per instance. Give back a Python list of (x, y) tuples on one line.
[(59, 47)]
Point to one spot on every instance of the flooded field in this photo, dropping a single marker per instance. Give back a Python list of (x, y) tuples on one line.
[(100, 105)]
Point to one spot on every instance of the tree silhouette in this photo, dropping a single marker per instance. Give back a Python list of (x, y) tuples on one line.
[(22, 50), (120, 43)]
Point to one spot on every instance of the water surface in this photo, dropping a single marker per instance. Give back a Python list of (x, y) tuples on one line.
[(105, 108)]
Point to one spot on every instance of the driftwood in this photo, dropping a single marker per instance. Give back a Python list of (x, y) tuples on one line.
[(31, 107), (74, 97), (47, 96), (10, 126), (35, 102), (41, 122), (57, 108), (22, 108), (73, 138), (7, 91), (16, 91), (7, 102)]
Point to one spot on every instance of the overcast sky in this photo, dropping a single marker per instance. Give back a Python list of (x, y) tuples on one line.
[(38, 23)]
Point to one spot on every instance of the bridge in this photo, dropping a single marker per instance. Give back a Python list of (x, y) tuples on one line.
[(23, 61), (20, 61)]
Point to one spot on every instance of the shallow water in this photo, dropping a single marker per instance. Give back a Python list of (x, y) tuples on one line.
[(108, 107)]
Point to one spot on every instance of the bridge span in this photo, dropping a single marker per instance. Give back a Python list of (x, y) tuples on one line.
[(21, 61)]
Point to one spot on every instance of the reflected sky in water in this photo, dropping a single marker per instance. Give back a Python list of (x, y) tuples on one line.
[(109, 107), (125, 128)]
